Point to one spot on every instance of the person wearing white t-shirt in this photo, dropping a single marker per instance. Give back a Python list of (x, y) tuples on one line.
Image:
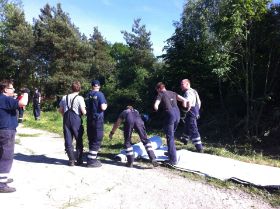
[(72, 107), (194, 103)]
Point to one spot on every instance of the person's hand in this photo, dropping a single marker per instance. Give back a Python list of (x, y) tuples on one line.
[(111, 135)]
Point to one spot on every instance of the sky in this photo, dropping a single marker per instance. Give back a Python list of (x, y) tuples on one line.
[(113, 16)]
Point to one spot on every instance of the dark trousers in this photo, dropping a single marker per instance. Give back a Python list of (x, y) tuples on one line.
[(72, 127), (36, 111), (7, 144), (191, 130), (133, 121), (171, 122), (95, 132), (20, 114), (137, 124)]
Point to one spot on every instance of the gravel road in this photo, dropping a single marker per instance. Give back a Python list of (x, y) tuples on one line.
[(43, 180)]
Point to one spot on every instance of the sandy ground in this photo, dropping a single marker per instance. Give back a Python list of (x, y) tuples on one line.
[(43, 180)]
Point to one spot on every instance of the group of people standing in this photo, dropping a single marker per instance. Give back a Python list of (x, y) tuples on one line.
[(73, 106)]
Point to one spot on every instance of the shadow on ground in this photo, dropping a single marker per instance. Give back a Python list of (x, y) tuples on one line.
[(39, 159)]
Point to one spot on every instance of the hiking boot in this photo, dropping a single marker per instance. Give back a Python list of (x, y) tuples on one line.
[(8, 181), (94, 164), (166, 154), (79, 163), (7, 189), (155, 163), (129, 164), (71, 163), (169, 163)]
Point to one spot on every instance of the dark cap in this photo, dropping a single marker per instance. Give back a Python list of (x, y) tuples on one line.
[(95, 83)]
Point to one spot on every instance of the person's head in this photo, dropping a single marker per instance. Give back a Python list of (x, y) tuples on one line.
[(95, 84), (76, 86), (7, 88), (36, 90), (185, 84), (160, 87), (129, 107)]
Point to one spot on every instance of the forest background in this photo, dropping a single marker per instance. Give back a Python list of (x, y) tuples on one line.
[(229, 49)]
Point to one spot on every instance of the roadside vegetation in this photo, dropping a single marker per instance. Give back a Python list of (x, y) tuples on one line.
[(52, 121)]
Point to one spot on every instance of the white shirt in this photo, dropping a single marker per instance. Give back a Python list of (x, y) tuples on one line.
[(78, 104), (192, 97)]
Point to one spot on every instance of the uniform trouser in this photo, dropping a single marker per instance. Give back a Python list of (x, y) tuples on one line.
[(95, 132), (191, 130), (139, 127), (20, 114), (171, 122), (36, 111), (72, 127), (7, 144)]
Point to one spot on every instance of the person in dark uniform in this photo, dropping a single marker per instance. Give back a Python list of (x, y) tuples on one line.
[(36, 104), (132, 120), (8, 125), (190, 128), (96, 104), (21, 108), (168, 99), (72, 107)]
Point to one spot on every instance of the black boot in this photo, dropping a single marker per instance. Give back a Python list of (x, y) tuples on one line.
[(71, 157), (130, 160), (79, 158), (152, 157)]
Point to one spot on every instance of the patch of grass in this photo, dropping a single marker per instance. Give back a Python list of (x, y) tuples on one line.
[(28, 135)]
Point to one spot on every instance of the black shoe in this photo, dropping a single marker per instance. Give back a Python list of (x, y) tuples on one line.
[(166, 154), (7, 189), (94, 164), (155, 163), (79, 163), (169, 163), (71, 163), (9, 181), (129, 165)]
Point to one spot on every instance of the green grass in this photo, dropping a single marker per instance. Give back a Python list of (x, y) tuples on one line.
[(52, 121)]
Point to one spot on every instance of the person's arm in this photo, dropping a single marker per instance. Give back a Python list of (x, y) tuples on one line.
[(24, 100), (104, 106), (115, 127), (83, 107), (186, 103), (61, 110), (156, 104)]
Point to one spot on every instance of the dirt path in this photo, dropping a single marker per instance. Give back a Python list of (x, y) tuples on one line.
[(43, 180)]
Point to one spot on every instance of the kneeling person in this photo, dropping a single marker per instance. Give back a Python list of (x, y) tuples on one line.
[(132, 120)]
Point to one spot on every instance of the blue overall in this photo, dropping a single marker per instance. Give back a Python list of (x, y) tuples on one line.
[(133, 120), (191, 129), (72, 126), (171, 121), (95, 123), (8, 124), (36, 106)]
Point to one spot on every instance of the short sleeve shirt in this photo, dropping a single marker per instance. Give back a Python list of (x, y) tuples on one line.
[(168, 99), (79, 103), (8, 114), (191, 96)]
